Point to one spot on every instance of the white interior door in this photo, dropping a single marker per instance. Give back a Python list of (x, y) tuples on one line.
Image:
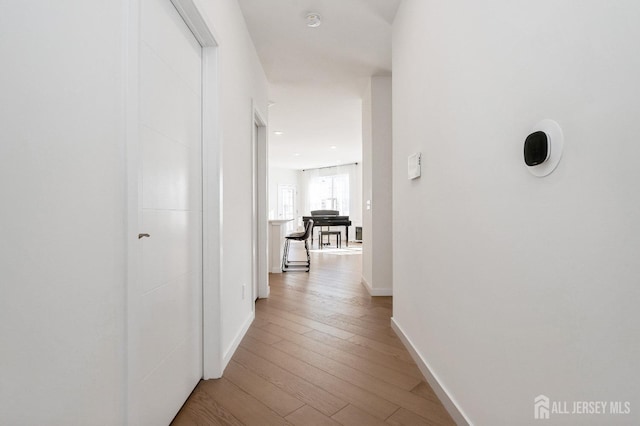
[(165, 342)]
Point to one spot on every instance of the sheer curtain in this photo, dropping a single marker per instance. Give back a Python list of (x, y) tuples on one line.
[(329, 193), (333, 188)]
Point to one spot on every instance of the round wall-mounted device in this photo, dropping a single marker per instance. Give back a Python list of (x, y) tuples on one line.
[(543, 148)]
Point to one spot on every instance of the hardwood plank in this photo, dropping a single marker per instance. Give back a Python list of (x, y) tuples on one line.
[(403, 398), (260, 334), (308, 416), (306, 392), (311, 310), (322, 302), (239, 403), (339, 292), (424, 390), (379, 324), (353, 416), (345, 358), (384, 321), (339, 387), (380, 312), (334, 281), (387, 337), (319, 347), (315, 325), (318, 292), (204, 410), (393, 350), (257, 322), (390, 361), (302, 308), (404, 417), (282, 322), (264, 391), (330, 282)]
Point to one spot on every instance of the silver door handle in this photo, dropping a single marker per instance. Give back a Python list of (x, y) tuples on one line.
[(143, 235)]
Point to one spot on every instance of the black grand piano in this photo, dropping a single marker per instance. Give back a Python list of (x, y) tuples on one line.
[(328, 218)]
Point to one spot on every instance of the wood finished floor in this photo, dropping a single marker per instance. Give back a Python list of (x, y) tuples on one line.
[(320, 352)]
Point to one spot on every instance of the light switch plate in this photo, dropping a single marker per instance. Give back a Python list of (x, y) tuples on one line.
[(414, 161)]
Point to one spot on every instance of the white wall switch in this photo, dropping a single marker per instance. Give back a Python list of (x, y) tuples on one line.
[(414, 165)]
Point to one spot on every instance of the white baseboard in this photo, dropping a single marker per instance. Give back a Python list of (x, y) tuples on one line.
[(449, 403), (236, 341), (376, 291)]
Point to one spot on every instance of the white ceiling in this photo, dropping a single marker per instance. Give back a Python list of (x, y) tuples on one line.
[(317, 75)]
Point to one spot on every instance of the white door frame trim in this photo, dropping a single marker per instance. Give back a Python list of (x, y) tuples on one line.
[(212, 217), (133, 182), (260, 192)]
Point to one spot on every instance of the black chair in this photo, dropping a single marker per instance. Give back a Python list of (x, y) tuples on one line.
[(297, 265)]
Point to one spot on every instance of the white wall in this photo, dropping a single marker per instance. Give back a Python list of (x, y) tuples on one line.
[(62, 191), (63, 216), (508, 285), (242, 80), (377, 187), (279, 176)]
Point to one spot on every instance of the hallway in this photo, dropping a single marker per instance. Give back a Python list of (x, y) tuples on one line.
[(320, 352)]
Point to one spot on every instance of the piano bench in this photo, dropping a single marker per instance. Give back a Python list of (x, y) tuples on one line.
[(338, 235)]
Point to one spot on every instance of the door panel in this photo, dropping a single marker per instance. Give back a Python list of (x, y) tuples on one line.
[(166, 308)]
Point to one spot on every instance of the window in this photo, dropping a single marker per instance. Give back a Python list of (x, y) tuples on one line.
[(330, 193), (287, 205)]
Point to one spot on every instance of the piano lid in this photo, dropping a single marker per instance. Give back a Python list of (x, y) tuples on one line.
[(328, 217), (325, 213)]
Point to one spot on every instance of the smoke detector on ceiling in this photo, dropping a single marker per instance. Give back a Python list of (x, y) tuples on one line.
[(313, 20)]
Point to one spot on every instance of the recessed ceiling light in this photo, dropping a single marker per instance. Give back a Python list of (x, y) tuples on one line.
[(297, 154), (278, 132), (333, 147), (313, 20)]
